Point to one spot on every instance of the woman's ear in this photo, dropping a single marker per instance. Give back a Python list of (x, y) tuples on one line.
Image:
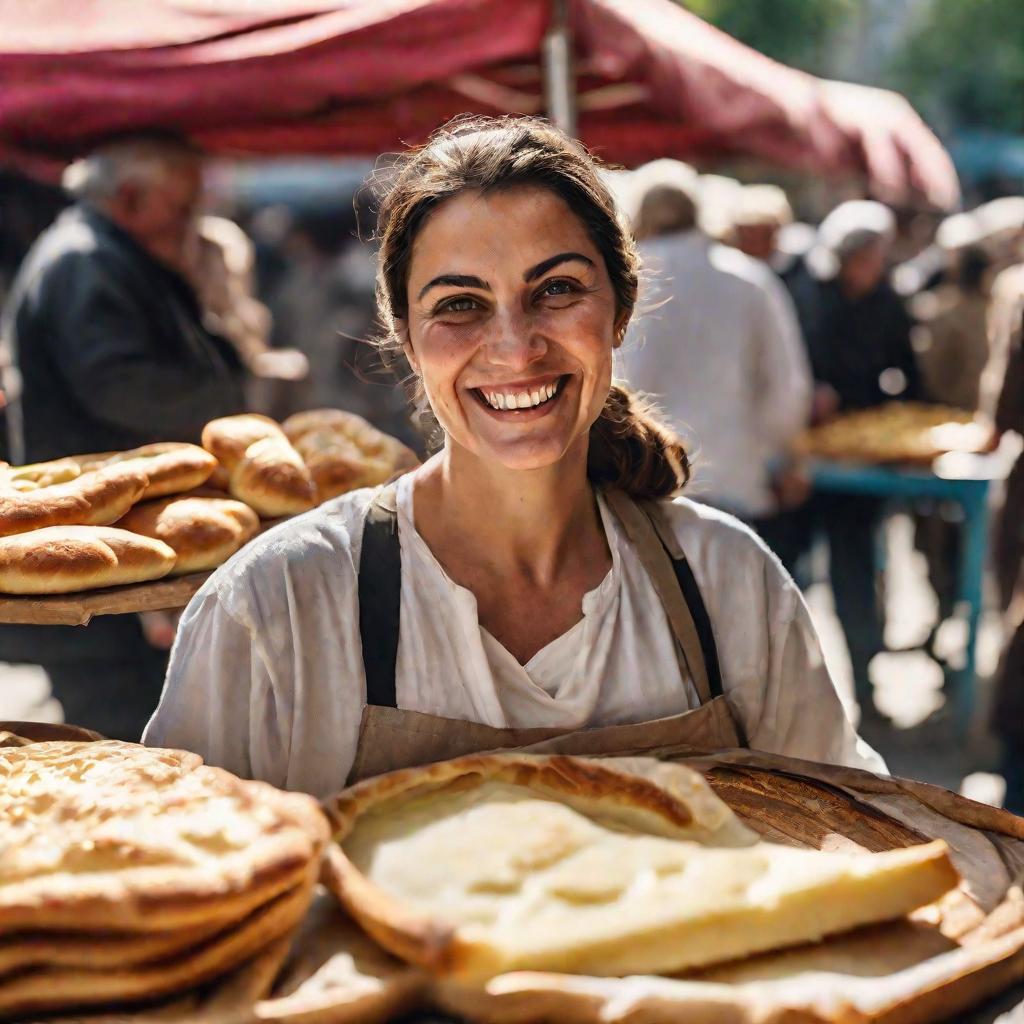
[(621, 323), (402, 332)]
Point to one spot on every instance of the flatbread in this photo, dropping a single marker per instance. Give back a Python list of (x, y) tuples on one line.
[(336, 974), (101, 950), (117, 836), (53, 989), (495, 863)]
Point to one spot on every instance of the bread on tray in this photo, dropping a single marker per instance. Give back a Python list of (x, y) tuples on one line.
[(202, 531), (496, 863), (91, 499), (262, 467)]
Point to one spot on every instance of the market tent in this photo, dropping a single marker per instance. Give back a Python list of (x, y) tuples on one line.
[(367, 76)]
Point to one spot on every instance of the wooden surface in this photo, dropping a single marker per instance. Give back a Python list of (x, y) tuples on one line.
[(78, 609)]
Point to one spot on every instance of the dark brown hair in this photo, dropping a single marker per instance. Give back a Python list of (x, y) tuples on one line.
[(629, 448)]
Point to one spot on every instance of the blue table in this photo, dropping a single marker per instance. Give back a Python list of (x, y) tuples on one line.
[(964, 479)]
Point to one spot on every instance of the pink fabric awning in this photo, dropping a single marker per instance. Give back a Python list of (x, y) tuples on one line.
[(362, 77)]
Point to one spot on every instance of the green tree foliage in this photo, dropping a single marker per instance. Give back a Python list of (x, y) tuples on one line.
[(796, 32), (965, 63)]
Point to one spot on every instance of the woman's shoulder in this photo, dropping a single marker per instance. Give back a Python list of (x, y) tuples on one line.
[(701, 524), (320, 545), (724, 553)]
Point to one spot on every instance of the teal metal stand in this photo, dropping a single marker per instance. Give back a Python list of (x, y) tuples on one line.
[(963, 479)]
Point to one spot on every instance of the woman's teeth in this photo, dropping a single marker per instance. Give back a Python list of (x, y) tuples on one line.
[(503, 400)]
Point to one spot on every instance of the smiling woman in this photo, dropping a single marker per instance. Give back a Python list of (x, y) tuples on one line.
[(535, 576)]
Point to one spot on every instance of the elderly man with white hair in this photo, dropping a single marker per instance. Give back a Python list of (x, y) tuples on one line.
[(718, 346), (109, 350)]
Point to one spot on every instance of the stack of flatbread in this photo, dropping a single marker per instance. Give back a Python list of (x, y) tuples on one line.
[(128, 874), (909, 432)]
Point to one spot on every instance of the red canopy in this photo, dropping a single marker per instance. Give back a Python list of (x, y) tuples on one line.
[(362, 77)]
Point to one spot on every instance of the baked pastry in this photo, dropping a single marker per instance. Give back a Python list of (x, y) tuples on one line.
[(273, 479), (65, 559), (911, 432), (495, 863), (202, 531), (92, 499), (38, 474), (172, 467), (337, 974), (345, 452), (83, 850), (228, 438), (57, 987), (262, 467)]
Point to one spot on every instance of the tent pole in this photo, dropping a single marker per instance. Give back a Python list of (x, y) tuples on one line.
[(559, 78)]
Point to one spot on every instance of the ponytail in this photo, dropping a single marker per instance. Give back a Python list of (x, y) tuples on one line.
[(633, 451)]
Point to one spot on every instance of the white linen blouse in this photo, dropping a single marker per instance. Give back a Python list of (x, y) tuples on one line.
[(266, 675)]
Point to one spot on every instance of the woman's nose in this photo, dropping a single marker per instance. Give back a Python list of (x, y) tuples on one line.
[(514, 342)]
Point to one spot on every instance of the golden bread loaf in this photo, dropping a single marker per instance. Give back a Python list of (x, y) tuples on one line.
[(272, 478), (228, 438), (172, 467), (91, 499), (64, 559), (202, 531), (337, 464), (344, 451)]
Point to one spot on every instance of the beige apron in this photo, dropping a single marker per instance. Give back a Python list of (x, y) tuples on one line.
[(392, 738)]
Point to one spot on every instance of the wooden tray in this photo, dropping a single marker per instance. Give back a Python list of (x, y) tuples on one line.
[(78, 609)]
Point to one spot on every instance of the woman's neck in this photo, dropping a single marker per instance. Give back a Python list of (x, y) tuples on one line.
[(507, 522)]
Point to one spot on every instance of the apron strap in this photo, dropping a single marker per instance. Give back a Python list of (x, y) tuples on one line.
[(673, 580), (380, 589), (691, 594)]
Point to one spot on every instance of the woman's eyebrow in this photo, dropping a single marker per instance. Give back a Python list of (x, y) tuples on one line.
[(454, 281), (545, 265)]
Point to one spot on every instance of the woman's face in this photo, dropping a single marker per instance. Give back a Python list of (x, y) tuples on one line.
[(511, 325)]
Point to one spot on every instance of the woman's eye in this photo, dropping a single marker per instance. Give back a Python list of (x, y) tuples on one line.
[(559, 289), (460, 305)]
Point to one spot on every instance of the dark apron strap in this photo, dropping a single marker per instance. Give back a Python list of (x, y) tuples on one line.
[(692, 596), (380, 590), (701, 619)]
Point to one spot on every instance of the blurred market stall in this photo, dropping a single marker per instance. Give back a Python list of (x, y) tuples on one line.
[(637, 80)]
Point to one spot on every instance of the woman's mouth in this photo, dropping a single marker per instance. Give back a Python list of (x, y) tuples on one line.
[(518, 400)]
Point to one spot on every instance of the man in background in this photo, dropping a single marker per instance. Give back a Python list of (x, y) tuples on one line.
[(108, 350), (718, 346), (858, 339)]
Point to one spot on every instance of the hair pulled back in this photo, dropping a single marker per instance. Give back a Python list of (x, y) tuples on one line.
[(629, 448)]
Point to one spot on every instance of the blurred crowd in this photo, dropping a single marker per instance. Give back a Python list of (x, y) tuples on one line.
[(131, 315)]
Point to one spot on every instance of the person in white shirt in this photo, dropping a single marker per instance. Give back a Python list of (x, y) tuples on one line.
[(535, 577), (718, 345)]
